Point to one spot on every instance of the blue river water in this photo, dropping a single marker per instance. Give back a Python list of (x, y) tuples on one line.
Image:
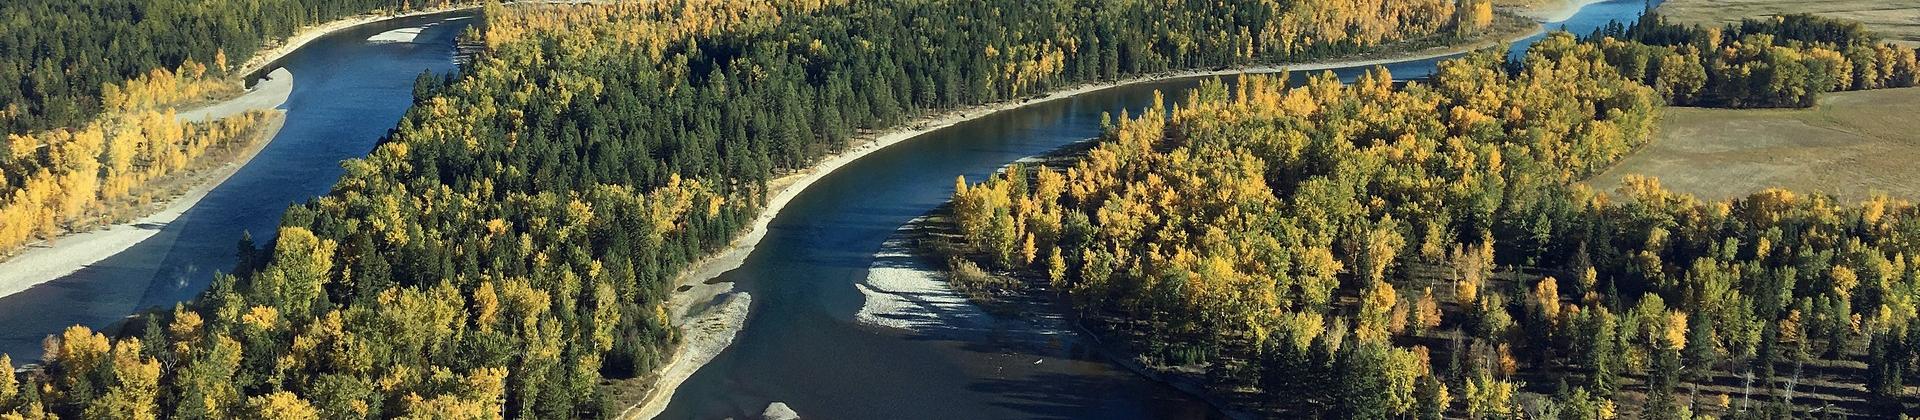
[(801, 347), (347, 92)]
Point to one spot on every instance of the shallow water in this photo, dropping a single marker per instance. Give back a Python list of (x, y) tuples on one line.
[(348, 91), (801, 347)]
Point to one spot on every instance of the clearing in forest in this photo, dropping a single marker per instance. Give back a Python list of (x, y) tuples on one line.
[(1851, 145)]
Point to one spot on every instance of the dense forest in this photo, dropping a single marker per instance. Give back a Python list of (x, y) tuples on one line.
[(57, 56), (511, 244), (1784, 61), (1368, 251)]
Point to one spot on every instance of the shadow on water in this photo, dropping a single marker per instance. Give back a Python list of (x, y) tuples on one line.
[(347, 93), (802, 347)]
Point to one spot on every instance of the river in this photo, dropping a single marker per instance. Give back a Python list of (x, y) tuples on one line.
[(802, 347), (348, 91)]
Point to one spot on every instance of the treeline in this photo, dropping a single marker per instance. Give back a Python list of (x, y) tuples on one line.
[(62, 181), (1267, 231), (1784, 61), (57, 56), (513, 242), (1337, 249)]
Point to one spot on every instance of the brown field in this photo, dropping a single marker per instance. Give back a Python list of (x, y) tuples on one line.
[(1852, 145), (1897, 20)]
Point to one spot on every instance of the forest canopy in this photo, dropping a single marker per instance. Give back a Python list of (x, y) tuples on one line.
[(57, 56), (1778, 62), (1372, 251), (511, 244)]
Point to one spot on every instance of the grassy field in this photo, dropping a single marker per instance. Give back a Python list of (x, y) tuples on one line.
[(1898, 20), (1851, 145)]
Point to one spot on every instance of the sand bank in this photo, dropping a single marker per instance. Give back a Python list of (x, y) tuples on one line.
[(904, 292), (305, 35), (49, 260), (268, 93), (1555, 11)]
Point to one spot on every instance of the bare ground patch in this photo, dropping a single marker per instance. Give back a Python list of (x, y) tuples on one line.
[(1851, 145)]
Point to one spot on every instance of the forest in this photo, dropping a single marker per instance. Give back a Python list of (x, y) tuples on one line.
[(509, 247), (57, 57), (1778, 62), (1372, 251), (92, 87)]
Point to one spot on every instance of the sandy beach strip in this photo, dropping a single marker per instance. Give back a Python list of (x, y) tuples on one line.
[(702, 341), (903, 293), (1556, 11), (268, 93), (305, 35)]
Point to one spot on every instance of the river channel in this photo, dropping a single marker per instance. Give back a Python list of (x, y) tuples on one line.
[(348, 90), (802, 347)]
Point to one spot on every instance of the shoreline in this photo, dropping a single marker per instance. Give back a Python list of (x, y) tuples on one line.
[(67, 253), (786, 187), (1561, 13), (47, 261), (307, 34)]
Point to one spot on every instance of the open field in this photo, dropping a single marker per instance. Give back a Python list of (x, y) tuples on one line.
[(1851, 145), (1897, 20), (1543, 10)]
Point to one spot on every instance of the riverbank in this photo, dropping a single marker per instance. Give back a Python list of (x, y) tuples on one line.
[(305, 35), (68, 253), (697, 288), (268, 93), (49, 260), (898, 293), (1553, 11)]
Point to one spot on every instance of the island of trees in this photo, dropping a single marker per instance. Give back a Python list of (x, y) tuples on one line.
[(1373, 251), (510, 245)]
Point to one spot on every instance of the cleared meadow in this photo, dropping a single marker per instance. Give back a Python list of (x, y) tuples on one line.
[(1851, 145)]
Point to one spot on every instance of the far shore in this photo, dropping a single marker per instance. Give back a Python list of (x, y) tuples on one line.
[(782, 190), (51, 259), (1558, 11), (305, 35)]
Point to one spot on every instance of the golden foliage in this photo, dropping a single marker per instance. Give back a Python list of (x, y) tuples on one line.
[(76, 179)]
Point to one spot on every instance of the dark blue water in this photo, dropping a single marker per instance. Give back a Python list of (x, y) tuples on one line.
[(801, 347), (347, 93)]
